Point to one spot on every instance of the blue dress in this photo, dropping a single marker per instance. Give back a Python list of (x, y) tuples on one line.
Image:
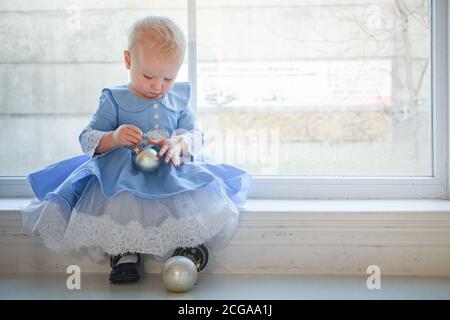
[(106, 204)]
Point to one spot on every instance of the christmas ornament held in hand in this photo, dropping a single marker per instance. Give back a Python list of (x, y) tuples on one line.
[(146, 156)]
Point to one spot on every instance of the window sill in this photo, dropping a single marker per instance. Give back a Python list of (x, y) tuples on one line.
[(310, 237), (347, 206)]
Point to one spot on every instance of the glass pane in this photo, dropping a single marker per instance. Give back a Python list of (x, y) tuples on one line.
[(55, 57), (317, 87)]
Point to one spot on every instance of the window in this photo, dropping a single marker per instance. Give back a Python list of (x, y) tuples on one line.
[(324, 98), (316, 99)]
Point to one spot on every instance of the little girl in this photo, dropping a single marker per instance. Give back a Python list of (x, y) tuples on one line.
[(103, 202)]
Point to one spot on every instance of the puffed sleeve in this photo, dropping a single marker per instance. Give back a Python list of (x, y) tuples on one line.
[(189, 132), (103, 121), (105, 118), (187, 119)]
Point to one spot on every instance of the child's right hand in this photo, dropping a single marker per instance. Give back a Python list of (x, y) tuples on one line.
[(127, 135)]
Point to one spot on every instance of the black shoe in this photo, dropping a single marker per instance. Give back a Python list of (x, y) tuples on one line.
[(124, 272), (199, 255)]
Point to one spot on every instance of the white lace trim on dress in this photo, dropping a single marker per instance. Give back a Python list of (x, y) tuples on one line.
[(114, 238), (193, 140), (89, 140)]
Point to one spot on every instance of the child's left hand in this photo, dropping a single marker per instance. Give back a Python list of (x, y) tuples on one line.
[(172, 148)]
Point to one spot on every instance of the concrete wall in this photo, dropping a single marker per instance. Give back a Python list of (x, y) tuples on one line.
[(55, 58)]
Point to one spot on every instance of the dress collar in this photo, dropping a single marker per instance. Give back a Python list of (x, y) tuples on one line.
[(175, 100)]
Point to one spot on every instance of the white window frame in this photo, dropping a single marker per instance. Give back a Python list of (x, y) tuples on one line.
[(342, 187)]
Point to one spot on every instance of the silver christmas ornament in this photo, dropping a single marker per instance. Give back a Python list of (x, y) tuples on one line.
[(146, 158), (179, 274)]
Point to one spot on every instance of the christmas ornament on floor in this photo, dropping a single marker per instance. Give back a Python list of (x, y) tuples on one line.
[(179, 274)]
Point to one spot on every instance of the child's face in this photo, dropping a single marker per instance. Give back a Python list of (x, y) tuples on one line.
[(150, 77)]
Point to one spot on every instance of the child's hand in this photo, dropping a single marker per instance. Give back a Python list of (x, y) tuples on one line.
[(127, 135), (171, 147)]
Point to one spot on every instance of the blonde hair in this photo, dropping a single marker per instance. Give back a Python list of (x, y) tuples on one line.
[(161, 34)]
